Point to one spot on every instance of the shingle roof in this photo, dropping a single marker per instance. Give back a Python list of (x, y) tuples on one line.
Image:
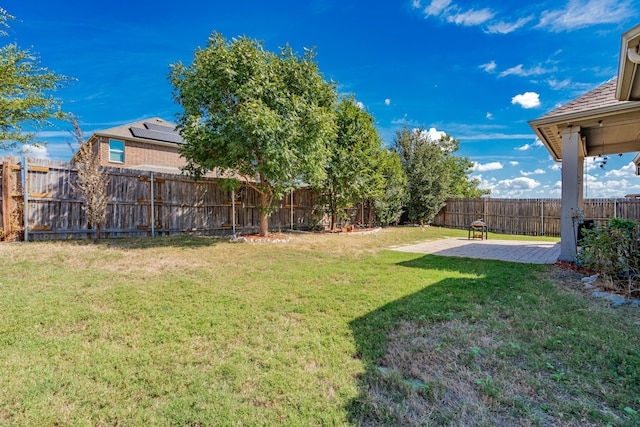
[(154, 129), (602, 96)]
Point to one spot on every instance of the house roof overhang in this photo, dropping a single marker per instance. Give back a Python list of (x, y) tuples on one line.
[(607, 126), (629, 67)]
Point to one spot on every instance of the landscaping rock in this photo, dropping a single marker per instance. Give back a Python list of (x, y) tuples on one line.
[(615, 299)]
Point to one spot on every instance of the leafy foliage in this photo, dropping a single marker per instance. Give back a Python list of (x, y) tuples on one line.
[(353, 171), (267, 117), (433, 172), (425, 163), (614, 252), (461, 184), (389, 205), (26, 102)]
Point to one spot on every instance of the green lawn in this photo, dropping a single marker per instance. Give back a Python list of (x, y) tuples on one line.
[(323, 330)]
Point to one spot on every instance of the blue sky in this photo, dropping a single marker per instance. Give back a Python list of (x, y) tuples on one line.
[(477, 70)]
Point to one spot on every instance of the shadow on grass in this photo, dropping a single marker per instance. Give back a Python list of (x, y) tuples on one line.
[(460, 298)]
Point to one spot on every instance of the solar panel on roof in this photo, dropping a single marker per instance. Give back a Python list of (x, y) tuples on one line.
[(159, 128), (157, 136)]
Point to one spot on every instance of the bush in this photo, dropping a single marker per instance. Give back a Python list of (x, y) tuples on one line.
[(614, 252)]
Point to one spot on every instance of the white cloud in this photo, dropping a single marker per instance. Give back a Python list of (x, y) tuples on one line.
[(489, 116), (489, 67), (612, 188), (471, 17), (514, 163), (519, 183), (535, 172), (527, 100), (360, 105), (436, 7), (538, 143), (524, 147), (556, 166), (584, 13), (432, 134), (477, 167), (628, 170), (387, 102), (508, 27), (559, 84), (454, 14), (36, 151), (519, 70)]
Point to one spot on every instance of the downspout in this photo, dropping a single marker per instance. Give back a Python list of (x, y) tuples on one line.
[(633, 55)]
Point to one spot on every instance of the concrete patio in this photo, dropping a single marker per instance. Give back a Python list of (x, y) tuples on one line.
[(524, 251)]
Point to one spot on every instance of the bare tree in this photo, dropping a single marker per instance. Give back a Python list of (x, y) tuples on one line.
[(92, 180)]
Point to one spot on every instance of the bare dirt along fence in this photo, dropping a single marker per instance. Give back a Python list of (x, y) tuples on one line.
[(39, 202), (537, 217)]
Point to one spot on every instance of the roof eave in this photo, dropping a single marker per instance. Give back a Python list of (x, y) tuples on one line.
[(135, 139), (628, 71), (587, 116)]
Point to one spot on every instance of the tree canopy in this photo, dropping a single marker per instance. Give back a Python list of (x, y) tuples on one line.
[(353, 171), (390, 203), (267, 117), (26, 100), (433, 171)]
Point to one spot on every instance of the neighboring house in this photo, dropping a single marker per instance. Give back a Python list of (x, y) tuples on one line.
[(150, 144)]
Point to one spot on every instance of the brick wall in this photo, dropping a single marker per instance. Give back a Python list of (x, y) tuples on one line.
[(137, 153)]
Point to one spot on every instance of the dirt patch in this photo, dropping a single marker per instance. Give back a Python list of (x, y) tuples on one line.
[(256, 238)]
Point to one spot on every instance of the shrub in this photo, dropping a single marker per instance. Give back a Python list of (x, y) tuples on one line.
[(614, 252)]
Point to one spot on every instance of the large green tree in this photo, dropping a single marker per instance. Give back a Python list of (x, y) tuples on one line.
[(353, 172), (26, 100), (434, 172), (390, 203), (267, 117)]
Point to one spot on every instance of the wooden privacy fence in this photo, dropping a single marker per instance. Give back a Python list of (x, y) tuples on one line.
[(538, 217), (39, 201)]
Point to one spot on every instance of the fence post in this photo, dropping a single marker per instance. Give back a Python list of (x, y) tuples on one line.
[(615, 208), (291, 209), (153, 214), (233, 213), (6, 199), (25, 191), (542, 217)]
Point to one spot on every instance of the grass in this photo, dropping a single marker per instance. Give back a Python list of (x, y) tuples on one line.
[(324, 330)]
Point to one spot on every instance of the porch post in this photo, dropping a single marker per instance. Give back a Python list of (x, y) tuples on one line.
[(572, 198)]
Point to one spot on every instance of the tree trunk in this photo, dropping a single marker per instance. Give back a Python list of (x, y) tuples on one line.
[(264, 218)]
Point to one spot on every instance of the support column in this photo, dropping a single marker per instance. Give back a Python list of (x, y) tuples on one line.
[(572, 187)]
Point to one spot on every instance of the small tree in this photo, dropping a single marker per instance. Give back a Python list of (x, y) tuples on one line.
[(26, 102), (92, 182), (353, 167), (264, 116)]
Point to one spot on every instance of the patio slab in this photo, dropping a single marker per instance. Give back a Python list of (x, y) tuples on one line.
[(524, 251)]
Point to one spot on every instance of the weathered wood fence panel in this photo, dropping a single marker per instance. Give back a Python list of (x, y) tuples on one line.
[(143, 202), (538, 217), (140, 203)]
